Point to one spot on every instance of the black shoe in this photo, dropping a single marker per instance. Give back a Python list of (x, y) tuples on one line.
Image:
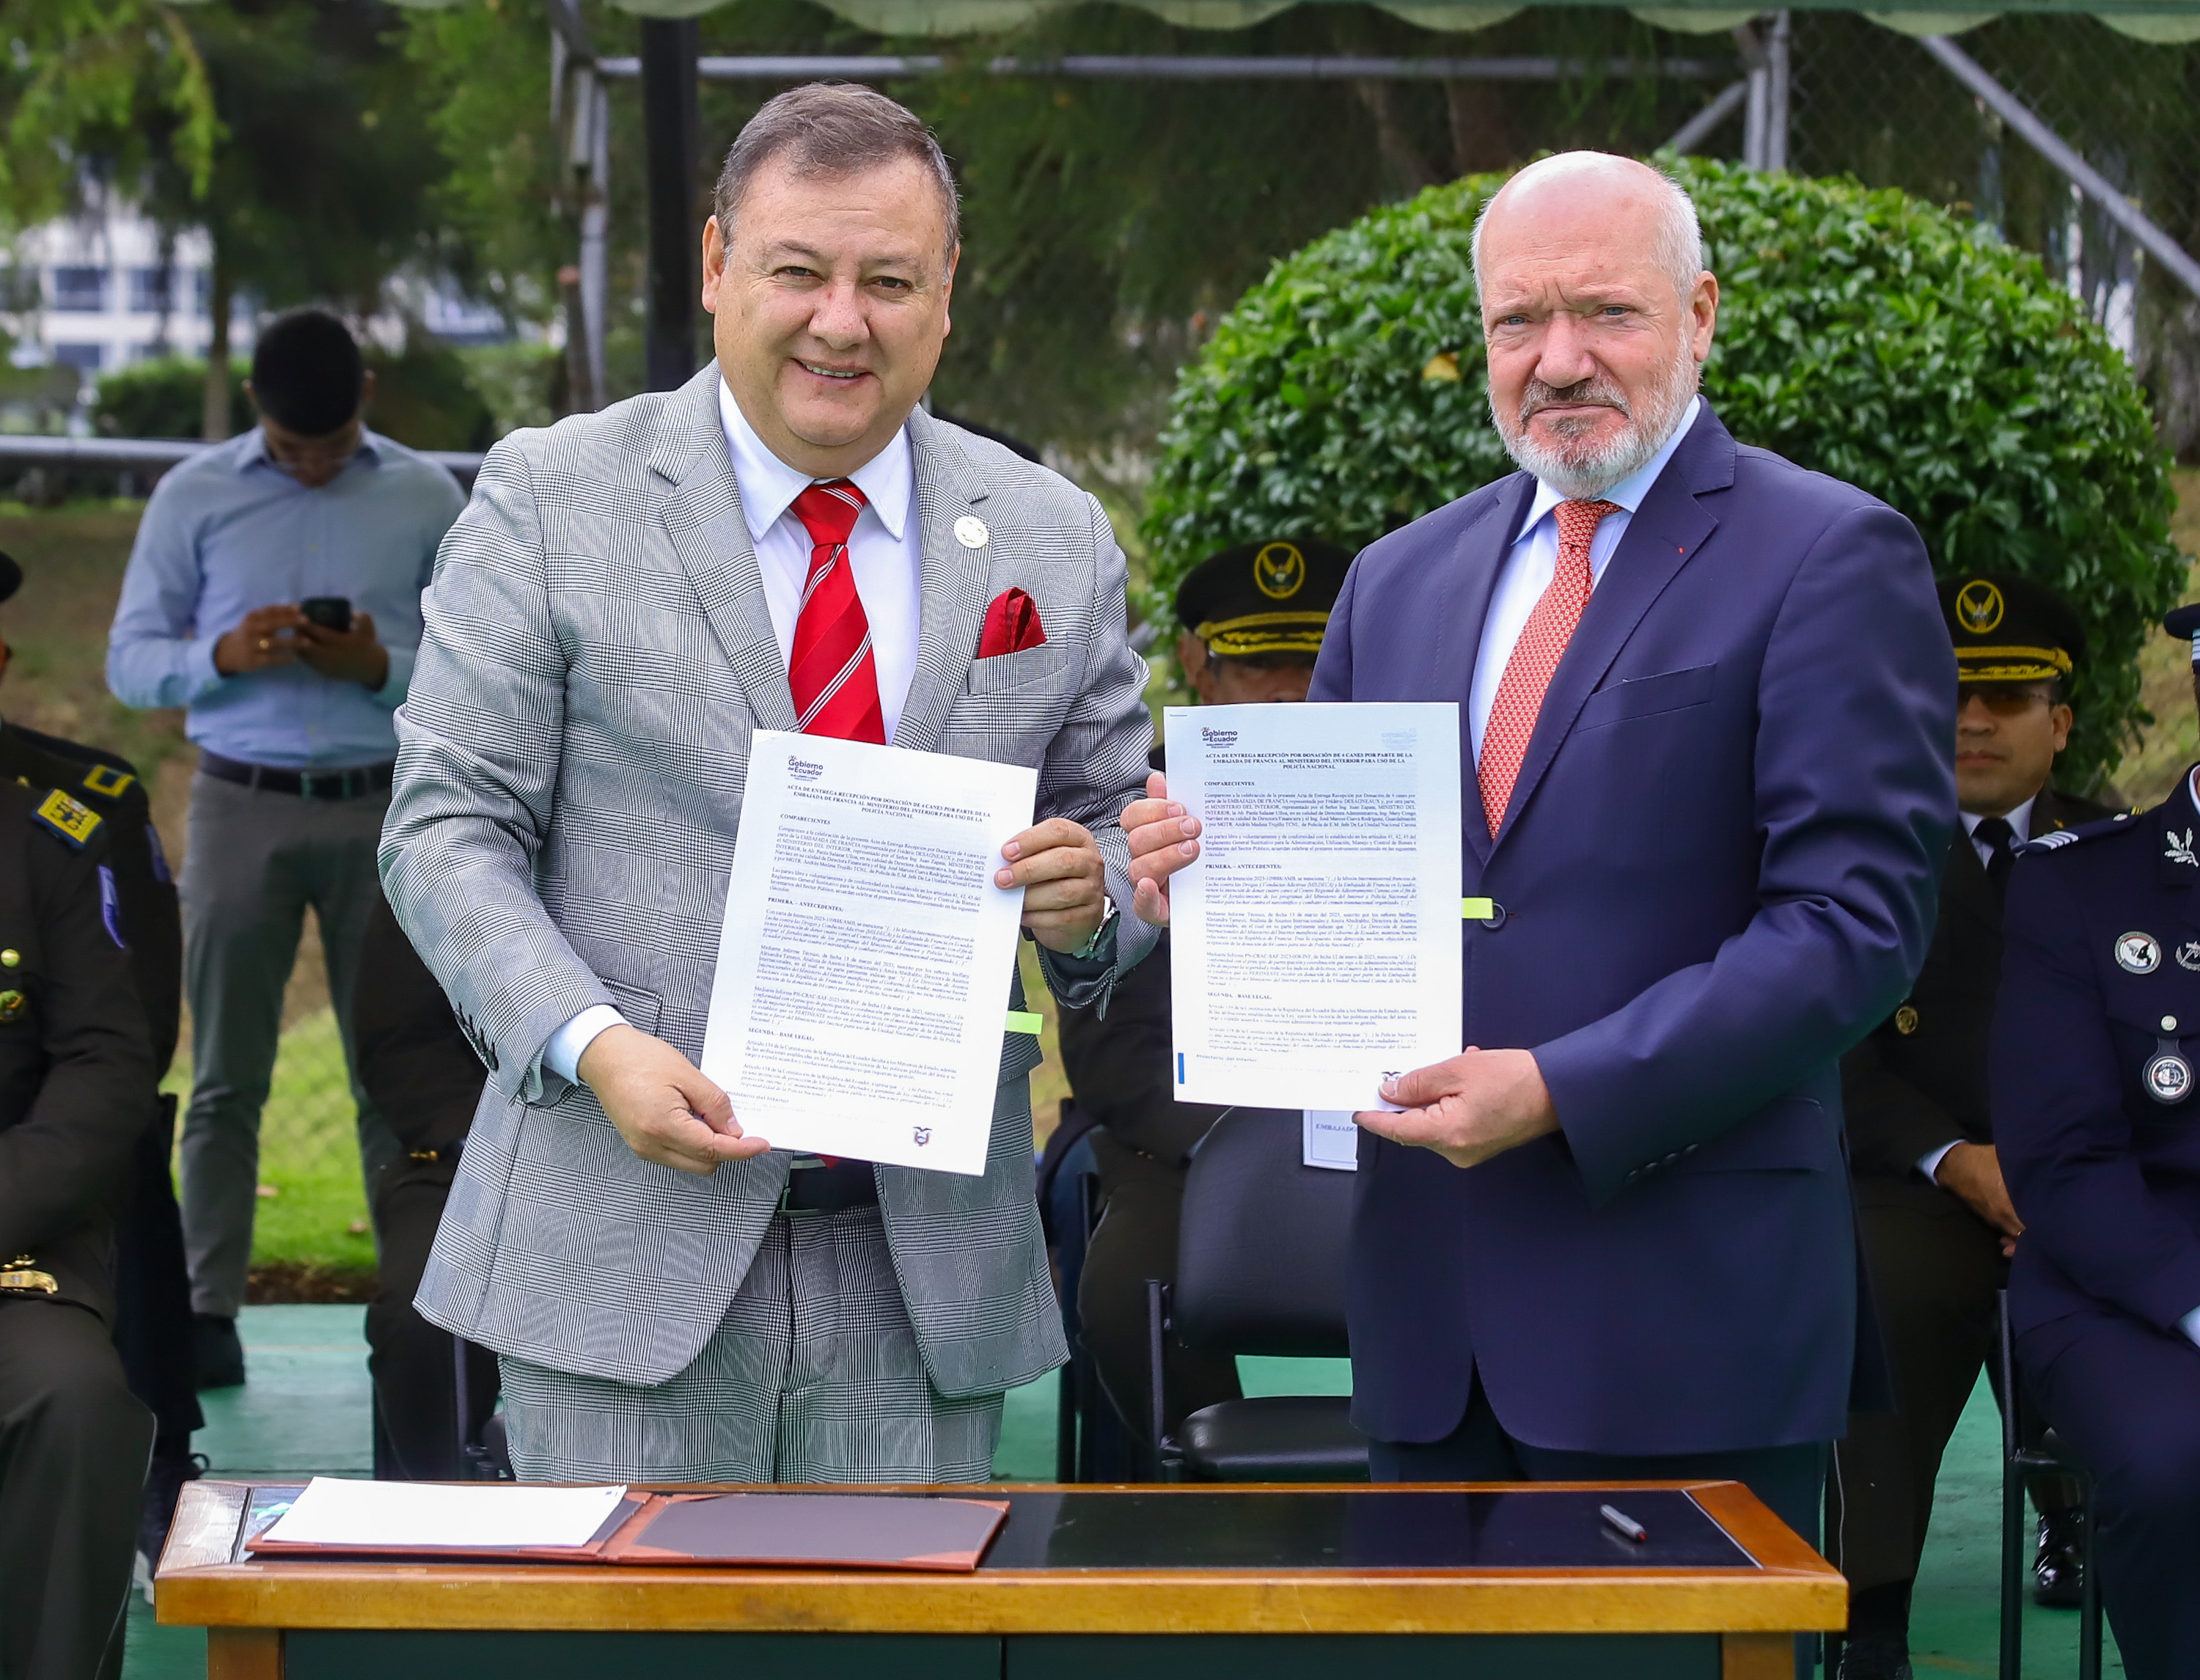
[(1875, 1659), (216, 1352), (164, 1486), (2058, 1570)]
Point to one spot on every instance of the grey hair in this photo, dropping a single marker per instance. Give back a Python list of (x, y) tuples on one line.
[(829, 129), (1678, 244)]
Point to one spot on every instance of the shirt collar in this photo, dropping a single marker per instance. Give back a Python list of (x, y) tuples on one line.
[(2020, 821), (1629, 492), (252, 451), (769, 485)]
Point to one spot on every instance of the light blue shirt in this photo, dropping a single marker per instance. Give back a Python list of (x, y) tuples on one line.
[(228, 532), (1535, 557)]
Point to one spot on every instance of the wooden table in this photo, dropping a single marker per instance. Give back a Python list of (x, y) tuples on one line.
[(1200, 1582)]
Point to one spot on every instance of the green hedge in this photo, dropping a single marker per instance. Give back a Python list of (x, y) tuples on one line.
[(1866, 334)]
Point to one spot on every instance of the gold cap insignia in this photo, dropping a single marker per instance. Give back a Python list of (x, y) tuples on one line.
[(1979, 606), (21, 1276), (1278, 570)]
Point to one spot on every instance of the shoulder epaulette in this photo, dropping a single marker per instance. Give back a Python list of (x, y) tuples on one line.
[(108, 783), (2060, 838), (74, 822)]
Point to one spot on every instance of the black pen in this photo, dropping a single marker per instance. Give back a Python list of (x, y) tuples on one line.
[(1625, 1524)]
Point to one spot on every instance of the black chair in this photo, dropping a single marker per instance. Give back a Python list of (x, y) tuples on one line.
[(1260, 1270), (2017, 1461)]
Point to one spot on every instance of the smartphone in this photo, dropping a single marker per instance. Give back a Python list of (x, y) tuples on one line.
[(330, 612)]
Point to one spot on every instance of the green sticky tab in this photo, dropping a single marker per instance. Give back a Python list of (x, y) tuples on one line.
[(1023, 1020), (1477, 910)]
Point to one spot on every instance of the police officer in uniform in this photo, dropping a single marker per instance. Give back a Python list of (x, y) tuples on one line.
[(1936, 1221), (75, 1067), (153, 1329), (423, 1074), (1251, 620), (2096, 1116)]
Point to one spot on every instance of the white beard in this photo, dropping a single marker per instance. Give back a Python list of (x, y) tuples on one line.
[(1583, 467)]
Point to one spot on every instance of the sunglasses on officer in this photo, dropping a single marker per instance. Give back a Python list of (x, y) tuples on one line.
[(2008, 699)]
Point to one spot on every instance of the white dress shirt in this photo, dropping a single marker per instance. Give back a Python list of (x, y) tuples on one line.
[(1535, 557), (884, 553)]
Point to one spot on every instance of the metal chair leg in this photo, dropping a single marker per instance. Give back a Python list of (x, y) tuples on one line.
[(2089, 1604)]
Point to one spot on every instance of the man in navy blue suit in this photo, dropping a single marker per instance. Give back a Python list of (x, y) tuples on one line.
[(1705, 702), (2096, 1040)]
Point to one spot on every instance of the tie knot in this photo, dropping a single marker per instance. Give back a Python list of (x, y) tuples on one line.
[(1578, 520), (1996, 831), (828, 511)]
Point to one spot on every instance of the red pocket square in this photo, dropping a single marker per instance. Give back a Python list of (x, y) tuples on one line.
[(1011, 625)]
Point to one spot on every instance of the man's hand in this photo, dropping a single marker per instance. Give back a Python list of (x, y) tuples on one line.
[(354, 655), (1163, 839), (262, 639), (1479, 1104), (1973, 1171), (1058, 866), (662, 1105)]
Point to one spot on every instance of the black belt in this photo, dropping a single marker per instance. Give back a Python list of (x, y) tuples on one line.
[(829, 1190), (346, 784)]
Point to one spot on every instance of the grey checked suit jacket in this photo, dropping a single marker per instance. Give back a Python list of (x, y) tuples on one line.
[(570, 765)]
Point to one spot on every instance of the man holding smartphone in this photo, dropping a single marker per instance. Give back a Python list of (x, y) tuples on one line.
[(274, 592)]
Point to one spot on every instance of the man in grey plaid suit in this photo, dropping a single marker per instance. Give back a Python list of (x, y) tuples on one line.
[(785, 542)]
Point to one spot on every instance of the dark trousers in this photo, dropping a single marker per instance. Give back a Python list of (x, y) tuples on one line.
[(1789, 1480), (1135, 1240), (414, 1362), (73, 1445), (152, 1290), (2127, 1399), (1935, 1270)]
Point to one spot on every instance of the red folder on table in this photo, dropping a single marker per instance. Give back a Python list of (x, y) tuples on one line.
[(780, 1531)]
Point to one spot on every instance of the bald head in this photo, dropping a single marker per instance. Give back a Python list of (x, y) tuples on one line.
[(1597, 313)]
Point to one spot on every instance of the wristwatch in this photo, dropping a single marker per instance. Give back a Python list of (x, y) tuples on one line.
[(1090, 948)]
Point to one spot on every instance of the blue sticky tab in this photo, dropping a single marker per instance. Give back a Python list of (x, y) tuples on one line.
[(1179, 1067), (110, 907)]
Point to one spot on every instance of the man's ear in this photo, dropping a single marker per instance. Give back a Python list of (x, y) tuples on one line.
[(1192, 660), (714, 264), (2059, 719)]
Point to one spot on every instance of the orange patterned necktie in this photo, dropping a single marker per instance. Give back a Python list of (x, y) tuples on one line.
[(830, 672), (1542, 643)]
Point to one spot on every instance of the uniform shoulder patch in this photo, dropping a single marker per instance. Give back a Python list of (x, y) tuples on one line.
[(2060, 839), (75, 824), (106, 781)]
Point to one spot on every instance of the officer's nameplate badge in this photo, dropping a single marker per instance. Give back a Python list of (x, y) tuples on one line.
[(2169, 1077), (2138, 953)]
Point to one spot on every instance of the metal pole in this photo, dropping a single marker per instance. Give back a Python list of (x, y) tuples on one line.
[(595, 241), (669, 132), (1199, 68), (2051, 145), (1775, 93), (1759, 63), (1698, 128)]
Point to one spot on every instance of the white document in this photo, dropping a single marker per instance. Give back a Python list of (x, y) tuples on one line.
[(1327, 1138), (1315, 945), (332, 1512), (865, 960)]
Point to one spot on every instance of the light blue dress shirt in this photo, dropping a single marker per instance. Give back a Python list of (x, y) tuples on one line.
[(228, 532), (1534, 558)]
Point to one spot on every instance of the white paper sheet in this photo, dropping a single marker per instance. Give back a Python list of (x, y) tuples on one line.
[(1327, 1138), (1315, 943), (333, 1512), (865, 959)]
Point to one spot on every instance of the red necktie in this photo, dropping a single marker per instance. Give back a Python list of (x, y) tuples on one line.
[(831, 672), (1542, 643)]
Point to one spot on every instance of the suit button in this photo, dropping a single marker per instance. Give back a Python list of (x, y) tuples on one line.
[(1634, 1173), (1671, 1158)]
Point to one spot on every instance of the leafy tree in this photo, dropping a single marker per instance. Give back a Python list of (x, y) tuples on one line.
[(1867, 335)]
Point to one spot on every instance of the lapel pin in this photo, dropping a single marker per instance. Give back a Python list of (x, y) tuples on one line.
[(970, 531)]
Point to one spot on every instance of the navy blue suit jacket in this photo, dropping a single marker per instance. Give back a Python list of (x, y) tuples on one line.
[(1719, 870), (2105, 1175)]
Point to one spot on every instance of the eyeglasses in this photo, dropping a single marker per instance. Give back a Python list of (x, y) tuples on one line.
[(2007, 699)]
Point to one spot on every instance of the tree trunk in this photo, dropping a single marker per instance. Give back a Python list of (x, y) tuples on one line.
[(1398, 150), (1478, 127), (221, 293)]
